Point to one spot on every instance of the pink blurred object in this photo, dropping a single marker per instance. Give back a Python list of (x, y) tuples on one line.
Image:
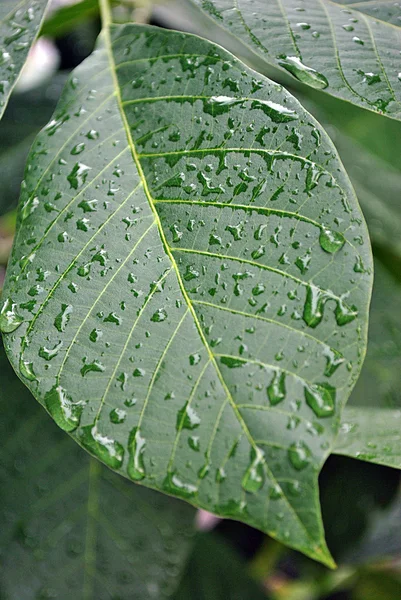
[(206, 521), (43, 61)]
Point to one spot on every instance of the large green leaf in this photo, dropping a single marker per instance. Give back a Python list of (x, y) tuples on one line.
[(19, 25), (190, 281), (371, 427), (70, 528), (353, 54)]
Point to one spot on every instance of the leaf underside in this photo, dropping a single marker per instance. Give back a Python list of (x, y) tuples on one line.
[(371, 423), (69, 526), (349, 50), (19, 25), (190, 280)]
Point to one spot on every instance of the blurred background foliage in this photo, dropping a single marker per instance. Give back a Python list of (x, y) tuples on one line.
[(361, 502)]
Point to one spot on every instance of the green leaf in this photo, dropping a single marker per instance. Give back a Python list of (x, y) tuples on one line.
[(364, 491), (216, 572), (182, 295), (69, 526), (26, 115), (371, 423), (19, 25), (382, 540), (381, 585), (350, 54), (68, 17)]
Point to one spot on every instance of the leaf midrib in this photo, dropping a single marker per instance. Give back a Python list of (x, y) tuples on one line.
[(107, 23)]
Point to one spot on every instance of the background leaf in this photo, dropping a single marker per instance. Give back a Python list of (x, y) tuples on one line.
[(25, 116), (216, 572), (19, 25), (67, 17), (69, 526), (371, 426), (350, 54), (180, 295)]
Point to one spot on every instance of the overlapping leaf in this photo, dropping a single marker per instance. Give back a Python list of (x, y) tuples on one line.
[(189, 286), (350, 50), (371, 428), (19, 25), (69, 526)]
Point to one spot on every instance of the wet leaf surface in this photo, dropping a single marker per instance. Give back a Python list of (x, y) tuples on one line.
[(350, 50), (69, 526), (19, 25), (189, 287)]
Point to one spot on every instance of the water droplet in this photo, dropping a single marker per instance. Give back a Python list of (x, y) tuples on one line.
[(117, 415), (258, 253), (10, 320), (112, 318), (93, 367), (306, 74), (65, 412), (299, 455), (334, 359), (177, 234), (358, 40), (190, 273), (294, 488), (159, 316), (187, 418), (78, 175), (49, 353), (62, 319), (136, 447), (275, 492), (276, 112), (78, 149), (174, 485), (254, 476), (194, 359), (276, 390), (106, 449), (231, 362), (95, 335), (314, 305), (221, 475), (26, 370), (28, 208), (369, 78), (321, 399), (359, 267), (194, 443), (331, 241), (344, 313)]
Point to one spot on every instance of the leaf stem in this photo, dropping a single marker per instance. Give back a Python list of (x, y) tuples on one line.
[(105, 13)]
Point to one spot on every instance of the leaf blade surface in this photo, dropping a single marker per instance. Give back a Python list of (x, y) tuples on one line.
[(168, 295)]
